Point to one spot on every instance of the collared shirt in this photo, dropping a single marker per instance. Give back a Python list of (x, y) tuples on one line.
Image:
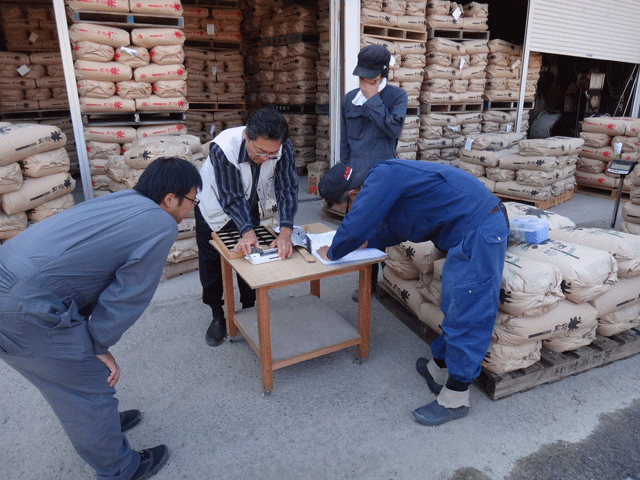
[(231, 190)]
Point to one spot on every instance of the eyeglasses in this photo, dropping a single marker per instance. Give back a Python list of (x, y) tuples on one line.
[(195, 201), (268, 156)]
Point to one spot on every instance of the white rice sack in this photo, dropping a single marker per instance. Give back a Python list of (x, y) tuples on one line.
[(587, 272), (625, 247), (521, 210), (620, 320), (142, 156), (99, 5), (115, 168), (155, 103), (36, 191), (19, 140), (404, 290), (552, 147), (529, 287), (92, 51), (50, 208), (167, 54), (507, 358), (102, 71), (154, 72), (46, 163), (190, 141), (580, 336), (567, 316), (12, 225), (133, 90), (98, 166), (111, 104), (169, 129), (102, 150), (96, 89), (10, 178), (155, 7), (152, 37), (400, 264), (625, 292), (132, 56)]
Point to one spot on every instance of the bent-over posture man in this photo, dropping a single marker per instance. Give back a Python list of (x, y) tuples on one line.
[(244, 164), (420, 201), (71, 285)]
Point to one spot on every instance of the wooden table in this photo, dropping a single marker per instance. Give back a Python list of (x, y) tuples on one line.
[(294, 329)]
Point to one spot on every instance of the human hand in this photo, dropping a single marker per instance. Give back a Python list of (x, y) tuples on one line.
[(283, 243), (247, 241), (369, 87), (113, 367), (322, 251)]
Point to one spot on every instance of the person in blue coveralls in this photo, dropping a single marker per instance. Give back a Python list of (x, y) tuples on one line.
[(71, 285), (372, 117), (400, 200)]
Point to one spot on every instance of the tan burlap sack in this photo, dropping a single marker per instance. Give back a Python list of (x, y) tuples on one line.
[(631, 212), (404, 290), (99, 5), (14, 58), (430, 287), (20, 140), (475, 24), (182, 250), (50, 82), (92, 51), (142, 156), (552, 146), (187, 228), (53, 104), (152, 37), (46, 163), (111, 104), (538, 178), (529, 287), (96, 89), (133, 56), (611, 125), (625, 292), (519, 162), (586, 272), (39, 94), (514, 189), (36, 191), (190, 141), (102, 150), (106, 35), (155, 103), (10, 178), (12, 225), (622, 319), (473, 169), (572, 339), (167, 54), (102, 71), (153, 73), (133, 90), (507, 358), (496, 141), (119, 134), (169, 129), (17, 83), (47, 209), (115, 168), (498, 174), (630, 227), (591, 165), (566, 317), (595, 140), (98, 166), (624, 247), (402, 266), (599, 180)]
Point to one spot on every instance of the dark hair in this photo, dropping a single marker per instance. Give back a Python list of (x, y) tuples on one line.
[(268, 123), (385, 72), (168, 175), (343, 198)]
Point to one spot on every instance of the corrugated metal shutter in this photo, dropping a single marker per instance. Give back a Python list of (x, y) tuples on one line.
[(601, 29)]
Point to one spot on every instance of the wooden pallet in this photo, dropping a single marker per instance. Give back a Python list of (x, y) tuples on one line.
[(125, 19), (35, 114), (551, 367), (135, 118), (457, 34), (489, 105), (201, 106), (289, 39), (601, 192), (393, 34), (450, 107), (542, 204)]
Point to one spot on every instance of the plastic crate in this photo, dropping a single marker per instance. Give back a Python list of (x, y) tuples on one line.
[(530, 230)]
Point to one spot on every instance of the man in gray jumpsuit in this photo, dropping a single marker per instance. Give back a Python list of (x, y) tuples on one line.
[(71, 285)]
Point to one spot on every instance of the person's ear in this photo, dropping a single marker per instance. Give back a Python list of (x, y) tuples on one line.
[(169, 200), (353, 192)]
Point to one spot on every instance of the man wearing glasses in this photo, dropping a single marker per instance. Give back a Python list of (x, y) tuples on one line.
[(244, 165)]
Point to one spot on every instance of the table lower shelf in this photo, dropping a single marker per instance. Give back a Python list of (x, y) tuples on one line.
[(301, 328)]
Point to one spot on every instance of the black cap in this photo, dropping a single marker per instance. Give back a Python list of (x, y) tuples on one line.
[(372, 60), (338, 179)]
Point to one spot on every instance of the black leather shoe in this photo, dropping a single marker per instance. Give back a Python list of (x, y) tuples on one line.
[(129, 419), (217, 331), (151, 461)]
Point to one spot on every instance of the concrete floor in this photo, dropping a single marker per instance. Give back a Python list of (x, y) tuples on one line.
[(327, 418)]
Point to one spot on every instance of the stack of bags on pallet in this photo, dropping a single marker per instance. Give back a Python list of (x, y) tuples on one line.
[(403, 15), (323, 148), (29, 28), (600, 134), (289, 20), (203, 125), (32, 82), (504, 72), (495, 120), (323, 67), (65, 125), (532, 169), (302, 133), (254, 12), (218, 24), (445, 14), (407, 148), (215, 76), (455, 71), (121, 72), (442, 135), (631, 209), (34, 175)]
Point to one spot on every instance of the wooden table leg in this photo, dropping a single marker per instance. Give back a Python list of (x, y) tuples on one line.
[(314, 288), (264, 336), (364, 311), (229, 300)]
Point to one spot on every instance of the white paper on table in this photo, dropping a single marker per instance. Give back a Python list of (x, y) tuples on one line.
[(324, 239)]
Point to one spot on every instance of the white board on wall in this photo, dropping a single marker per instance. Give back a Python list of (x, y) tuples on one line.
[(599, 29)]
